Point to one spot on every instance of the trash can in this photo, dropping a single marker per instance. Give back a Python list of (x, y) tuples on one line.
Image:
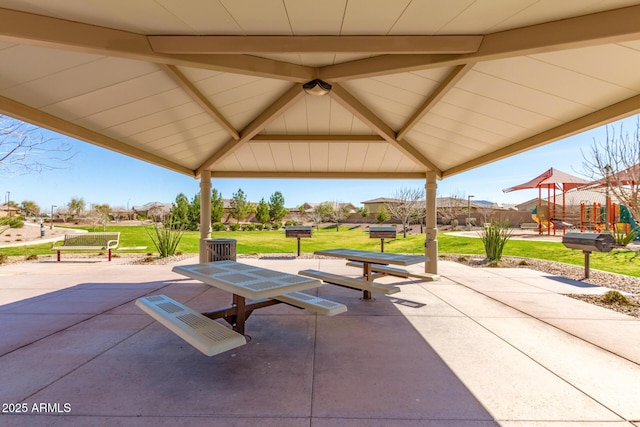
[(221, 249)]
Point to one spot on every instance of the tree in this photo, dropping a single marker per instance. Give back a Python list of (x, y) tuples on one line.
[(30, 208), (24, 149), (364, 212), (382, 215), (450, 208), (406, 205), (320, 213), (262, 212), (277, 210), (99, 214), (157, 213), (76, 206), (615, 162), (180, 212), (194, 213), (338, 212), (239, 205), (217, 206)]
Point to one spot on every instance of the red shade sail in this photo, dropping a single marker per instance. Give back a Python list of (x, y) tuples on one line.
[(552, 178)]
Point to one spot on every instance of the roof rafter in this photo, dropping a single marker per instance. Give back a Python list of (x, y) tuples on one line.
[(612, 26), (39, 118), (358, 109), (37, 30), (449, 82), (200, 99), (590, 121), (314, 44), (282, 104)]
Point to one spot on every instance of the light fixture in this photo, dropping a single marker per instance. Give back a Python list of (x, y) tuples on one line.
[(317, 87)]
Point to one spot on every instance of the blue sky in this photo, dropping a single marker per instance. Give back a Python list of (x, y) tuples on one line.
[(101, 176)]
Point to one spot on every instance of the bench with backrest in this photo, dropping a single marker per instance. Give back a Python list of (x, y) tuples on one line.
[(106, 241)]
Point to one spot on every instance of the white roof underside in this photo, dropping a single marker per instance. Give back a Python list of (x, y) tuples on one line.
[(531, 72)]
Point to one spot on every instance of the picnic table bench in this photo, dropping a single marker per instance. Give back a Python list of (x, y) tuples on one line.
[(99, 241)]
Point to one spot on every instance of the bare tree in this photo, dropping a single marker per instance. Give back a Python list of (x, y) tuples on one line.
[(451, 207), (337, 212), (615, 162), (406, 205), (25, 149), (99, 214)]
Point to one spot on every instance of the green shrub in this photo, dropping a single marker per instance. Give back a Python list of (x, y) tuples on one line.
[(259, 227), (13, 222), (615, 297), (277, 225), (165, 239), (494, 237), (218, 226), (623, 238), (234, 227)]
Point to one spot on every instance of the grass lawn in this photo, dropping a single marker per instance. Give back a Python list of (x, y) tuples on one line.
[(262, 242)]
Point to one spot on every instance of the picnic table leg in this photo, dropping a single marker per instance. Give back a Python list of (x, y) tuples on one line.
[(239, 303), (366, 267)]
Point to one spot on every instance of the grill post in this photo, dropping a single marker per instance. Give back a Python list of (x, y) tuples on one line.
[(586, 264)]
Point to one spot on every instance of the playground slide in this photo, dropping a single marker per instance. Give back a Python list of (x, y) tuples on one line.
[(627, 218), (536, 219)]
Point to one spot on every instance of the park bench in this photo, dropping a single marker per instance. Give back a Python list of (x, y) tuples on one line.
[(529, 226), (351, 282), (88, 242), (206, 335)]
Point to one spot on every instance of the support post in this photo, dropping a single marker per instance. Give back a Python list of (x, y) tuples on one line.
[(431, 230), (205, 213)]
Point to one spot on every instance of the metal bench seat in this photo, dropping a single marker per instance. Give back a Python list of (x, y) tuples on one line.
[(206, 335), (398, 272), (312, 303), (351, 282)]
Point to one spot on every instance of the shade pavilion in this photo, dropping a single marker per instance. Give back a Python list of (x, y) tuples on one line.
[(419, 89)]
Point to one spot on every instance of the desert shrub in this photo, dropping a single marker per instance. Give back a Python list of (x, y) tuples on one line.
[(3, 258), (165, 239), (31, 257), (615, 297), (623, 238), (494, 237)]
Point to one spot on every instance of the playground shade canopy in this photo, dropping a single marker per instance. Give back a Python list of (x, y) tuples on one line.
[(551, 179), (415, 87)]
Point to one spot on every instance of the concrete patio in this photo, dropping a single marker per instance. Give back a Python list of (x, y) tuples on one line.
[(481, 347)]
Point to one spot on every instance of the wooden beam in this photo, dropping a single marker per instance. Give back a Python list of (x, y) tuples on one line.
[(267, 116), (199, 98), (319, 138), (358, 109), (44, 120), (315, 44), (452, 79), (590, 121), (37, 30), (317, 175), (611, 26)]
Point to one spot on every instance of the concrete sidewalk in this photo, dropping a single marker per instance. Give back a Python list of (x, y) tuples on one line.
[(482, 347)]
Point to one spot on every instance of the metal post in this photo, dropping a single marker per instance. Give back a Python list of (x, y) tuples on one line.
[(586, 264), (469, 211), (51, 226)]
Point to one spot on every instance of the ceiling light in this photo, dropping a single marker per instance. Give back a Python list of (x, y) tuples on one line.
[(316, 87)]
